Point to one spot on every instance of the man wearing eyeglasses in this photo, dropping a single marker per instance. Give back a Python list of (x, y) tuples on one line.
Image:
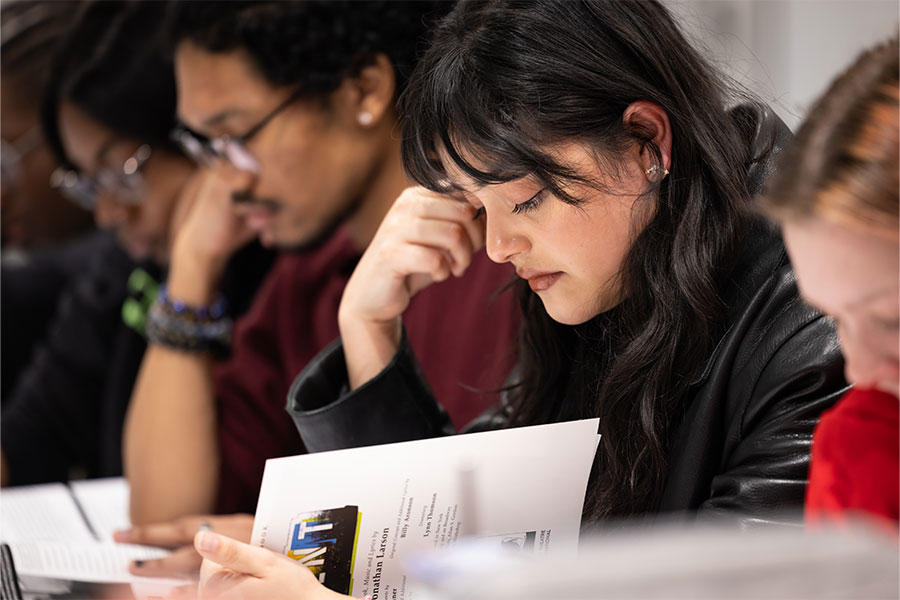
[(291, 106)]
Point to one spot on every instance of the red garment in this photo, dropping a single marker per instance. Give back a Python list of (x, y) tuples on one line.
[(856, 459), (460, 333)]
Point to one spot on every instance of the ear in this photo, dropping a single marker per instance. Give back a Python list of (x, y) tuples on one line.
[(373, 92), (651, 122)]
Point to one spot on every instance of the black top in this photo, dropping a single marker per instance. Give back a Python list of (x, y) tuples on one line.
[(30, 288), (742, 444), (67, 410)]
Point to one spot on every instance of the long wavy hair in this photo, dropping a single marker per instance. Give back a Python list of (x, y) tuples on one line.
[(505, 79)]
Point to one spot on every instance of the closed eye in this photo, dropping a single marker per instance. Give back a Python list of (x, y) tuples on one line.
[(530, 204)]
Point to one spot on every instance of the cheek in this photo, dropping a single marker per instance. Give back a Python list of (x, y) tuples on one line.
[(889, 345), (600, 259), (157, 211)]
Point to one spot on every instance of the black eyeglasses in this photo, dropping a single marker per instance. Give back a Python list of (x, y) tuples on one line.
[(233, 150), (125, 184)]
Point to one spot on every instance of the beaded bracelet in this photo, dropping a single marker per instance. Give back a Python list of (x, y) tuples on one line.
[(180, 326), (213, 312)]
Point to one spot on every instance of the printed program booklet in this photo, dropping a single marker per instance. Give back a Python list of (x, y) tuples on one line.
[(64, 532), (354, 516)]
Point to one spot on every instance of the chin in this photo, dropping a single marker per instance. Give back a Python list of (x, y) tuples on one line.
[(563, 310), (568, 315)]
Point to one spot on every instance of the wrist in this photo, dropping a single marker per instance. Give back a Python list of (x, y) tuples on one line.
[(194, 277), (197, 329), (369, 346)]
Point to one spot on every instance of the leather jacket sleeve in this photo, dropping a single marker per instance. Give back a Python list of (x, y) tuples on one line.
[(395, 406), (768, 446)]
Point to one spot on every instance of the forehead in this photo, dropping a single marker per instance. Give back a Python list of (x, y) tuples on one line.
[(211, 84), (85, 141), (838, 266)]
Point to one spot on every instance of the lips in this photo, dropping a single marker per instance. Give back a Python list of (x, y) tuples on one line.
[(257, 218), (539, 281)]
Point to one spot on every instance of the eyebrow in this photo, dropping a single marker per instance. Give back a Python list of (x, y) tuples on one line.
[(221, 116), (213, 121)]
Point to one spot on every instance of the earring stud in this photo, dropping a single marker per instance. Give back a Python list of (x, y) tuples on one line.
[(655, 169), (365, 118)]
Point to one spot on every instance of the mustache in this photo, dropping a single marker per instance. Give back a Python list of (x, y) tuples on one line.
[(246, 198)]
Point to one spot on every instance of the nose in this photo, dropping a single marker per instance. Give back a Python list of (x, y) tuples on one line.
[(241, 183), (503, 242), (109, 214)]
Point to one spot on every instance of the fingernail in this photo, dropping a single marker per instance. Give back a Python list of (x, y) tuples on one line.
[(122, 536), (138, 564), (205, 526), (207, 541)]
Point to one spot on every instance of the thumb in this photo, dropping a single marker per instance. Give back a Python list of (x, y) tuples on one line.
[(234, 555)]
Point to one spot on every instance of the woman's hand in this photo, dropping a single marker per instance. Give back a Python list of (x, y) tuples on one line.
[(424, 238), (179, 536), (233, 570)]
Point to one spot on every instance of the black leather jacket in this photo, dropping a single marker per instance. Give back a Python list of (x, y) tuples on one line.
[(743, 442)]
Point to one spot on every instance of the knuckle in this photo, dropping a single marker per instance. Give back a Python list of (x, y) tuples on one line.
[(186, 528), (435, 263), (230, 552), (268, 559), (387, 255), (407, 197), (457, 233)]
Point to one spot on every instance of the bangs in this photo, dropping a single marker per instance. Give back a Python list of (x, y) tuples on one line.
[(457, 123)]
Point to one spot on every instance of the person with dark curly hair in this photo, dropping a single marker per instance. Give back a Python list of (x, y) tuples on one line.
[(292, 107)]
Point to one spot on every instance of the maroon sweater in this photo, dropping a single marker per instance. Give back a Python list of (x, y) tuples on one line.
[(461, 333)]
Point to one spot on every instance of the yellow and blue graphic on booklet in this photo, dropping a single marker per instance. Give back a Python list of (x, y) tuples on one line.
[(325, 541)]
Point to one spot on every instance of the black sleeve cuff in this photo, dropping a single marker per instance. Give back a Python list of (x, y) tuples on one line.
[(394, 406)]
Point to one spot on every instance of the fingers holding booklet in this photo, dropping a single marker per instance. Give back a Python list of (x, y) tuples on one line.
[(233, 569)]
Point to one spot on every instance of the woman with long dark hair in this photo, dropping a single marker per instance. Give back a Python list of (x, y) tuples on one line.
[(591, 146)]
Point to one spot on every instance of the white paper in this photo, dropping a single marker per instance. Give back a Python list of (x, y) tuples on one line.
[(102, 563), (105, 504), (41, 512), (522, 489), (50, 538)]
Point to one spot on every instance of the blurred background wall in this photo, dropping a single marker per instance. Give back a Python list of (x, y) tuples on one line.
[(786, 51)]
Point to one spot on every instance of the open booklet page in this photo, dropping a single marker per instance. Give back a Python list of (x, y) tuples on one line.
[(65, 532), (105, 504), (354, 516)]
